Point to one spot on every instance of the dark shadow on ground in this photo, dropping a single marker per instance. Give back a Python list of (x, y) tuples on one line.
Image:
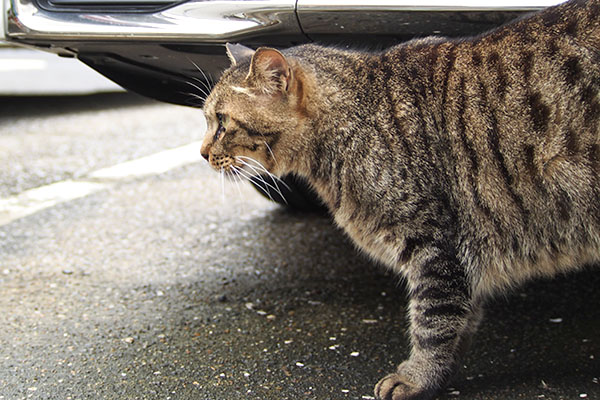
[(329, 324)]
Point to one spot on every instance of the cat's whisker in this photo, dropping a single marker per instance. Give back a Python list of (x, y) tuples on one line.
[(194, 95), (236, 179), (222, 174), (276, 180), (259, 180), (202, 91), (208, 79), (203, 83), (259, 175), (263, 169), (270, 151)]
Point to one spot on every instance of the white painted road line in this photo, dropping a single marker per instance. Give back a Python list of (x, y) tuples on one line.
[(16, 64), (37, 199), (34, 200), (151, 165)]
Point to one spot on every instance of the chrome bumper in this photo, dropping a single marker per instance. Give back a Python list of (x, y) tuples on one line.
[(216, 21), (196, 20)]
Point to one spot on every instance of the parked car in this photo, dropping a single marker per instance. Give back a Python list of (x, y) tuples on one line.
[(158, 48)]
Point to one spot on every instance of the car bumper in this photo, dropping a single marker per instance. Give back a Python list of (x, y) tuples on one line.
[(221, 21), (214, 21)]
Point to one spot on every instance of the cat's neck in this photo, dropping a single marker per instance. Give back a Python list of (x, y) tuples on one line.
[(357, 116), (338, 128)]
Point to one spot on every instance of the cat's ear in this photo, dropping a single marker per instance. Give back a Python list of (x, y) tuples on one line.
[(270, 71), (237, 52)]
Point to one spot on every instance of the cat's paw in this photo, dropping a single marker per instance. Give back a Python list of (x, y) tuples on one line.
[(397, 387)]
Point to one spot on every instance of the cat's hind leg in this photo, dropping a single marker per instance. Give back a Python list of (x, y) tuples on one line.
[(443, 317)]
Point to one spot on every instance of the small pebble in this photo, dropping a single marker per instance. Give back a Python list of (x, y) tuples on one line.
[(334, 347), (299, 364), (354, 354), (222, 298), (369, 321), (556, 320), (67, 272), (367, 397), (289, 341), (128, 340), (583, 395), (454, 393), (345, 391)]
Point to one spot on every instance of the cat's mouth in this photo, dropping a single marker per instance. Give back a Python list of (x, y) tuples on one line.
[(221, 162), (237, 166)]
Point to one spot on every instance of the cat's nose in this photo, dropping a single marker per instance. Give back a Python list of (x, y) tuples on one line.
[(205, 155)]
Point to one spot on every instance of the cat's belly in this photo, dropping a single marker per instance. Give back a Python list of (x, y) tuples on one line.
[(492, 271), (502, 272), (380, 244)]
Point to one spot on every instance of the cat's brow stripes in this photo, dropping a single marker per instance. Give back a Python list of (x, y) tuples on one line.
[(252, 132), (243, 90)]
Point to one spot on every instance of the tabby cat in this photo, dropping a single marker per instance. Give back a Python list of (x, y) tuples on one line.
[(466, 165)]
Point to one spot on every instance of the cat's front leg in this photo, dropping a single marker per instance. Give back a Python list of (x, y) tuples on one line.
[(443, 318)]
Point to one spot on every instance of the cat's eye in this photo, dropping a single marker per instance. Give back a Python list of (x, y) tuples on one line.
[(223, 119)]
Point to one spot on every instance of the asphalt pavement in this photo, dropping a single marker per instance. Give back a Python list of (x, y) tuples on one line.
[(172, 286)]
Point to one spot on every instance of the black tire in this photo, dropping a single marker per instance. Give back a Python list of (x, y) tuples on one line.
[(298, 195)]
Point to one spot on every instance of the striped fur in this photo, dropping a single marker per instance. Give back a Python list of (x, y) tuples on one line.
[(468, 166)]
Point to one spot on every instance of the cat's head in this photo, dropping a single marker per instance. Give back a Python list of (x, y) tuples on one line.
[(256, 113)]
